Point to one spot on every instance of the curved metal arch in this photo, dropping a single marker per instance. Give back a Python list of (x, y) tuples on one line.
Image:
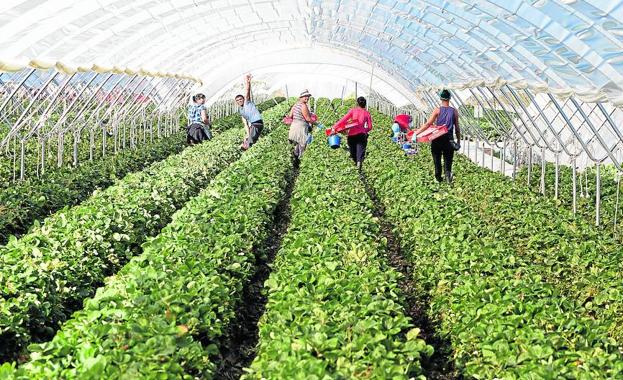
[(245, 5), (452, 9), (427, 68), (219, 40), (358, 65), (388, 68), (531, 57), (274, 69), (425, 13), (417, 35)]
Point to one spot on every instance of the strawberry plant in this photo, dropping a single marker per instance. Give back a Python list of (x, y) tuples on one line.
[(334, 309), (48, 272), (164, 313), (503, 317), (24, 202)]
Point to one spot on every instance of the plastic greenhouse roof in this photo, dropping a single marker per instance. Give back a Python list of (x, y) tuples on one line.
[(561, 46)]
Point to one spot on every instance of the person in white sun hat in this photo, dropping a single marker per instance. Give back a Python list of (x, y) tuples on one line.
[(301, 122)]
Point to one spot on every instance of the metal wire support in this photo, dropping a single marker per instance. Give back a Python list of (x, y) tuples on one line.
[(45, 107)]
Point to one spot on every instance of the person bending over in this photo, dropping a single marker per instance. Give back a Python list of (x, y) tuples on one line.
[(198, 121)]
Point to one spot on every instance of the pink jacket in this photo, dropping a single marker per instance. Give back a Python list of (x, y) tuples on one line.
[(360, 117)]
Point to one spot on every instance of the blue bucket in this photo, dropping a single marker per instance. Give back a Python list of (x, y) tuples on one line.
[(334, 141), (406, 146)]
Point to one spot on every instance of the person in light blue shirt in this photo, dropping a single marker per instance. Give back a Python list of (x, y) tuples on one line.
[(251, 116)]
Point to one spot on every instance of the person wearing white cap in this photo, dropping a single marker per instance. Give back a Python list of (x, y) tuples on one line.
[(301, 121)]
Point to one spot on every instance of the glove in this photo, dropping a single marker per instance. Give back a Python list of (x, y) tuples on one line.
[(455, 145)]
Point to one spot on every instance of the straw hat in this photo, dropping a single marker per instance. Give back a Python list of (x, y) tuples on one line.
[(304, 94)]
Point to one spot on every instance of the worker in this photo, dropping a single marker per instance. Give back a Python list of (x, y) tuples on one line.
[(251, 116), (358, 123), (198, 128), (444, 145), (301, 124)]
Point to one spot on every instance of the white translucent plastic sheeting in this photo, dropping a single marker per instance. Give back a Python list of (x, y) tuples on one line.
[(563, 46), (298, 67)]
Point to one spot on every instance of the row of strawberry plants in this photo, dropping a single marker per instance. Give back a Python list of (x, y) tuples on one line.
[(24, 202), (582, 261), (47, 273), (502, 318), (9, 163), (21, 203), (586, 189), (164, 314), (333, 307)]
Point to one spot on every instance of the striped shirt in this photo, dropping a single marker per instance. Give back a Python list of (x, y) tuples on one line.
[(297, 112)]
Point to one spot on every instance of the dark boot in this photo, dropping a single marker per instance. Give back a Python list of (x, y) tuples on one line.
[(449, 177)]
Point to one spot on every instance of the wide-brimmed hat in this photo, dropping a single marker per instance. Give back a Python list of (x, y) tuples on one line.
[(304, 94)]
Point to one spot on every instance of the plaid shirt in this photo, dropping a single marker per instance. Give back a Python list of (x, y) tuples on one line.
[(194, 113)]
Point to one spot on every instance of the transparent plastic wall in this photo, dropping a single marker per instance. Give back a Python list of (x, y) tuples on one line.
[(538, 135), (45, 113), (560, 45)]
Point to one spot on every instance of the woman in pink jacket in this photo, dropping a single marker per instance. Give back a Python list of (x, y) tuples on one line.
[(359, 123)]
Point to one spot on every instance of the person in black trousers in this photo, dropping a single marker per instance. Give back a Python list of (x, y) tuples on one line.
[(444, 145), (358, 123)]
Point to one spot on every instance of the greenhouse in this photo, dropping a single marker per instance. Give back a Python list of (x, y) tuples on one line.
[(311, 189)]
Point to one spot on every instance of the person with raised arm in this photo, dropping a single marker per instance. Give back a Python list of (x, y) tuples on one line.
[(251, 116)]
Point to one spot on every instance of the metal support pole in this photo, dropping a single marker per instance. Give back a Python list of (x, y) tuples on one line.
[(515, 161), (504, 157), (91, 144), (42, 141), (557, 176), (76, 141), (543, 171), (60, 150), (616, 205), (22, 164), (492, 150), (575, 190), (529, 164), (597, 195)]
